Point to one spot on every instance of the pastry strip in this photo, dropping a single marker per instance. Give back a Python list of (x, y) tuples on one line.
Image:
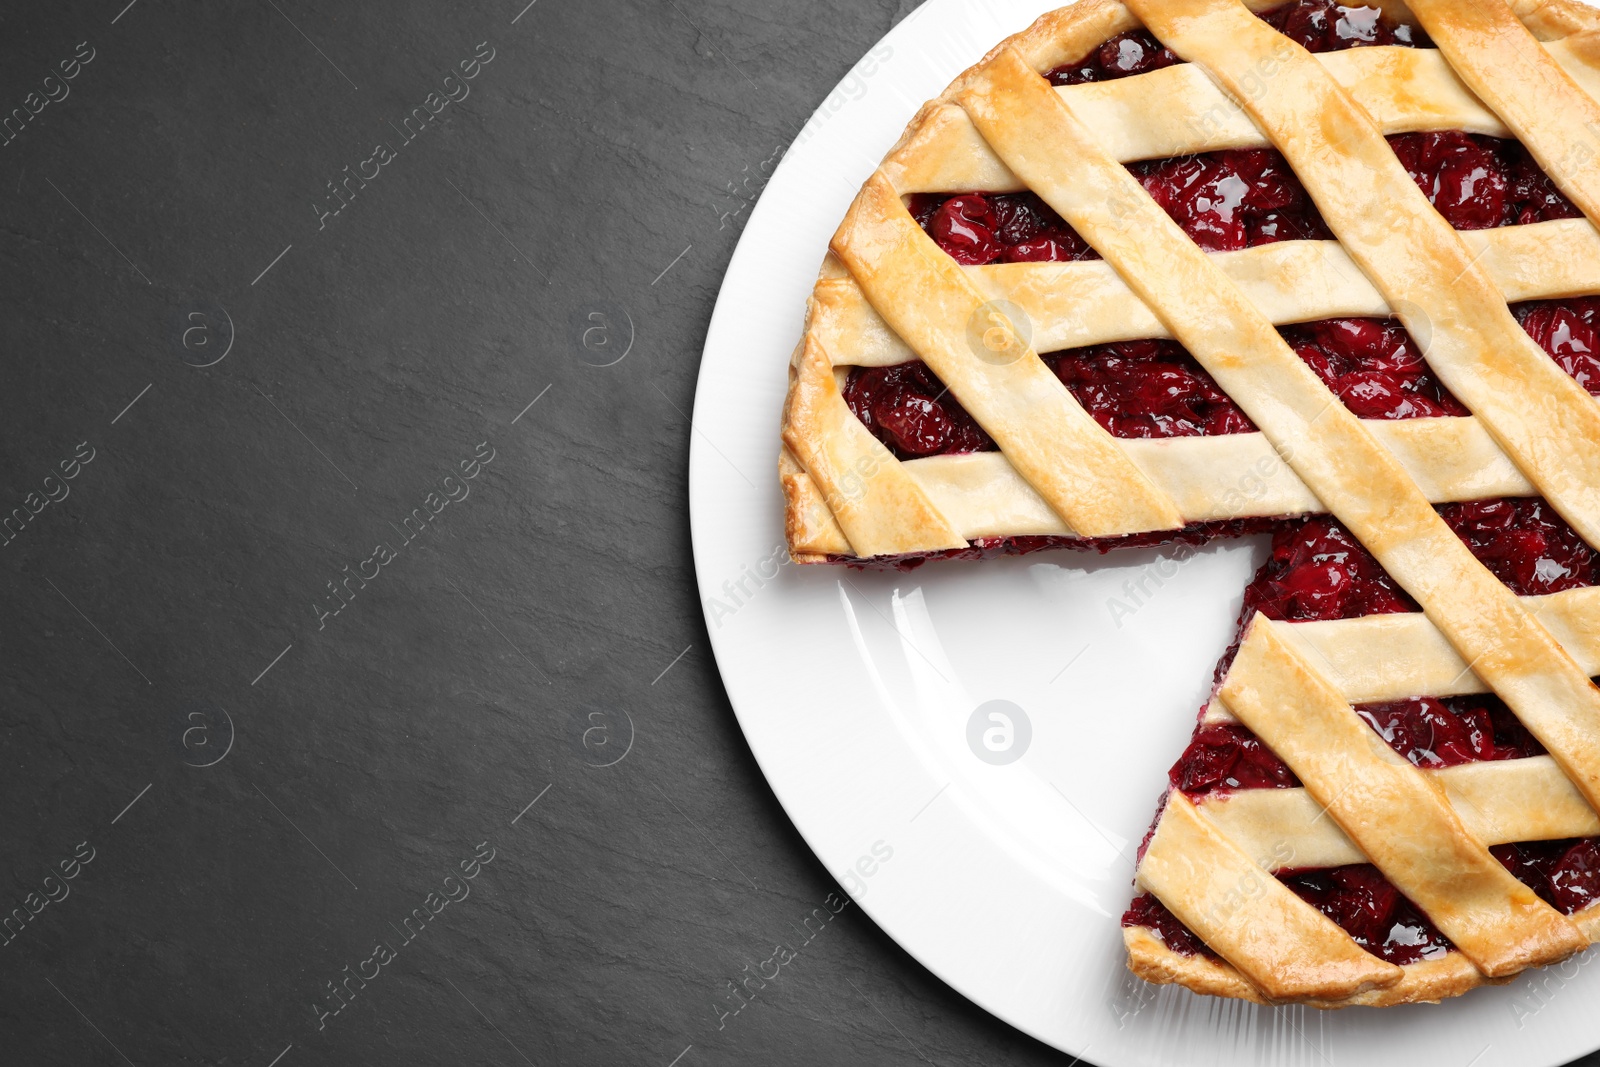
[(1231, 476), (1069, 305), (873, 501), (1180, 111), (1381, 658), (1396, 816), (1284, 946), (1378, 658), (1046, 435), (1499, 802)]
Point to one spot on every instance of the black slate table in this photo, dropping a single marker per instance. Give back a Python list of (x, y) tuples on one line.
[(357, 705)]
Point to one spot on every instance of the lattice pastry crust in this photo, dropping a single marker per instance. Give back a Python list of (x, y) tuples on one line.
[(886, 294)]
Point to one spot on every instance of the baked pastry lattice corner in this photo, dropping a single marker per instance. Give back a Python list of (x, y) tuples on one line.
[(1160, 271)]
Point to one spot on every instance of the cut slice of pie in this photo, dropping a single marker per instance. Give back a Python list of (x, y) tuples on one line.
[(1165, 271)]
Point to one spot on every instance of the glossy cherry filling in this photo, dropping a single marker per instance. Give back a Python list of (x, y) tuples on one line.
[(1134, 52), (1365, 905), (1374, 368), (1316, 25), (1147, 389), (1317, 571), (1570, 331), (1153, 915), (1478, 182), (1566, 874), (908, 409), (1325, 26), (1525, 544), (979, 228)]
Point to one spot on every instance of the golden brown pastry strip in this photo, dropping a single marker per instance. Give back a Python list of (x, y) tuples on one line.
[(1070, 305), (1399, 819), (1424, 981), (1046, 435), (1231, 476), (1284, 946), (1179, 111), (874, 502), (1498, 801)]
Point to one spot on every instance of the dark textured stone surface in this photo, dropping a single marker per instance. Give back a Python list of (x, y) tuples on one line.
[(498, 658), (457, 686)]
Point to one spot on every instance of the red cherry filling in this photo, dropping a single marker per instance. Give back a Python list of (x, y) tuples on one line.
[(1231, 200), (1134, 52), (1373, 367), (964, 227), (1478, 182), (979, 228), (1317, 571), (1567, 330), (1566, 874), (1147, 389), (1325, 26), (1524, 543), (1371, 910), (1228, 756), (908, 409), (1437, 733), (1150, 913)]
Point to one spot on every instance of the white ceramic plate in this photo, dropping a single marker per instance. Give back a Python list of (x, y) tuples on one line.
[(856, 690)]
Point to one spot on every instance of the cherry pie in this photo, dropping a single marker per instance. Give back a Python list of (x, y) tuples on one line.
[(1161, 271)]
